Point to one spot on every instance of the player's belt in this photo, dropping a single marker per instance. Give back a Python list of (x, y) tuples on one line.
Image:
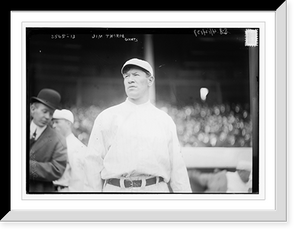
[(134, 183)]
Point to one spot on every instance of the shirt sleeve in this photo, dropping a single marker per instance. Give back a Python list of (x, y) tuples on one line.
[(179, 180), (94, 158)]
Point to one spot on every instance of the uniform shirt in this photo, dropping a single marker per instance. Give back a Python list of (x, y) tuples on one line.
[(139, 140), (73, 176)]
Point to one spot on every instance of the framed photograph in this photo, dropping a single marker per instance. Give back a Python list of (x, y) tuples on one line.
[(219, 75)]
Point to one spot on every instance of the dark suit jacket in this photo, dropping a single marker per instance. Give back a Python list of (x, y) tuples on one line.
[(48, 160)]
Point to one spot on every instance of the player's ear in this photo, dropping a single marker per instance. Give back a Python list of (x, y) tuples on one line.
[(150, 80)]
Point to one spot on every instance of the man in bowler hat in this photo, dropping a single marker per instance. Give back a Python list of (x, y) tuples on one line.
[(48, 149)]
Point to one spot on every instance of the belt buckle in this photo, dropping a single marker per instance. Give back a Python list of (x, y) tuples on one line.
[(128, 183), (136, 183)]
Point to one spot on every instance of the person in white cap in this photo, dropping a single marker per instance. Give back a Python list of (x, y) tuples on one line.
[(238, 181), (74, 176), (137, 142)]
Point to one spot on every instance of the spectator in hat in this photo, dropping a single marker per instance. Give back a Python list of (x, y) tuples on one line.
[(137, 143), (48, 150), (75, 177)]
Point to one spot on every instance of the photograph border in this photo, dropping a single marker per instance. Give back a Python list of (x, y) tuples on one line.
[(273, 210)]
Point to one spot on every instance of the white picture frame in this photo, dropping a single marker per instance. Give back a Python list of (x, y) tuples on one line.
[(270, 205)]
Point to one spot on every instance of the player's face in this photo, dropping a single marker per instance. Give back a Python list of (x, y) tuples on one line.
[(41, 114), (61, 126), (137, 84)]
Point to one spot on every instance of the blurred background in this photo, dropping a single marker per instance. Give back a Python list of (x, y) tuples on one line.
[(204, 81)]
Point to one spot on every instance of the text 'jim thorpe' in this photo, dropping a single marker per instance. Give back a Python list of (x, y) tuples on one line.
[(111, 36)]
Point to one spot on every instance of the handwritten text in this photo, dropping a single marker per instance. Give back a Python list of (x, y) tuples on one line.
[(114, 36), (63, 36), (210, 31)]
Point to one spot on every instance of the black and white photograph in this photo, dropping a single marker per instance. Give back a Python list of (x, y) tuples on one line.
[(142, 110), (148, 116)]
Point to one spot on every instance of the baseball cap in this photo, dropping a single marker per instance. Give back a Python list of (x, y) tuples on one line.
[(140, 63), (63, 114)]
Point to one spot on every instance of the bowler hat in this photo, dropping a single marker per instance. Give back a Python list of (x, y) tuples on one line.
[(48, 97)]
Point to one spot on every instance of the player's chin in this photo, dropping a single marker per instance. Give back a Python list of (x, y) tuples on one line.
[(133, 94)]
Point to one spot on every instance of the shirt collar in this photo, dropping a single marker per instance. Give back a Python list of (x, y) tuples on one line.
[(137, 105), (34, 127)]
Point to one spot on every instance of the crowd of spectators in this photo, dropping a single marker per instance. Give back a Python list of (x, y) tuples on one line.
[(198, 125), (212, 126)]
